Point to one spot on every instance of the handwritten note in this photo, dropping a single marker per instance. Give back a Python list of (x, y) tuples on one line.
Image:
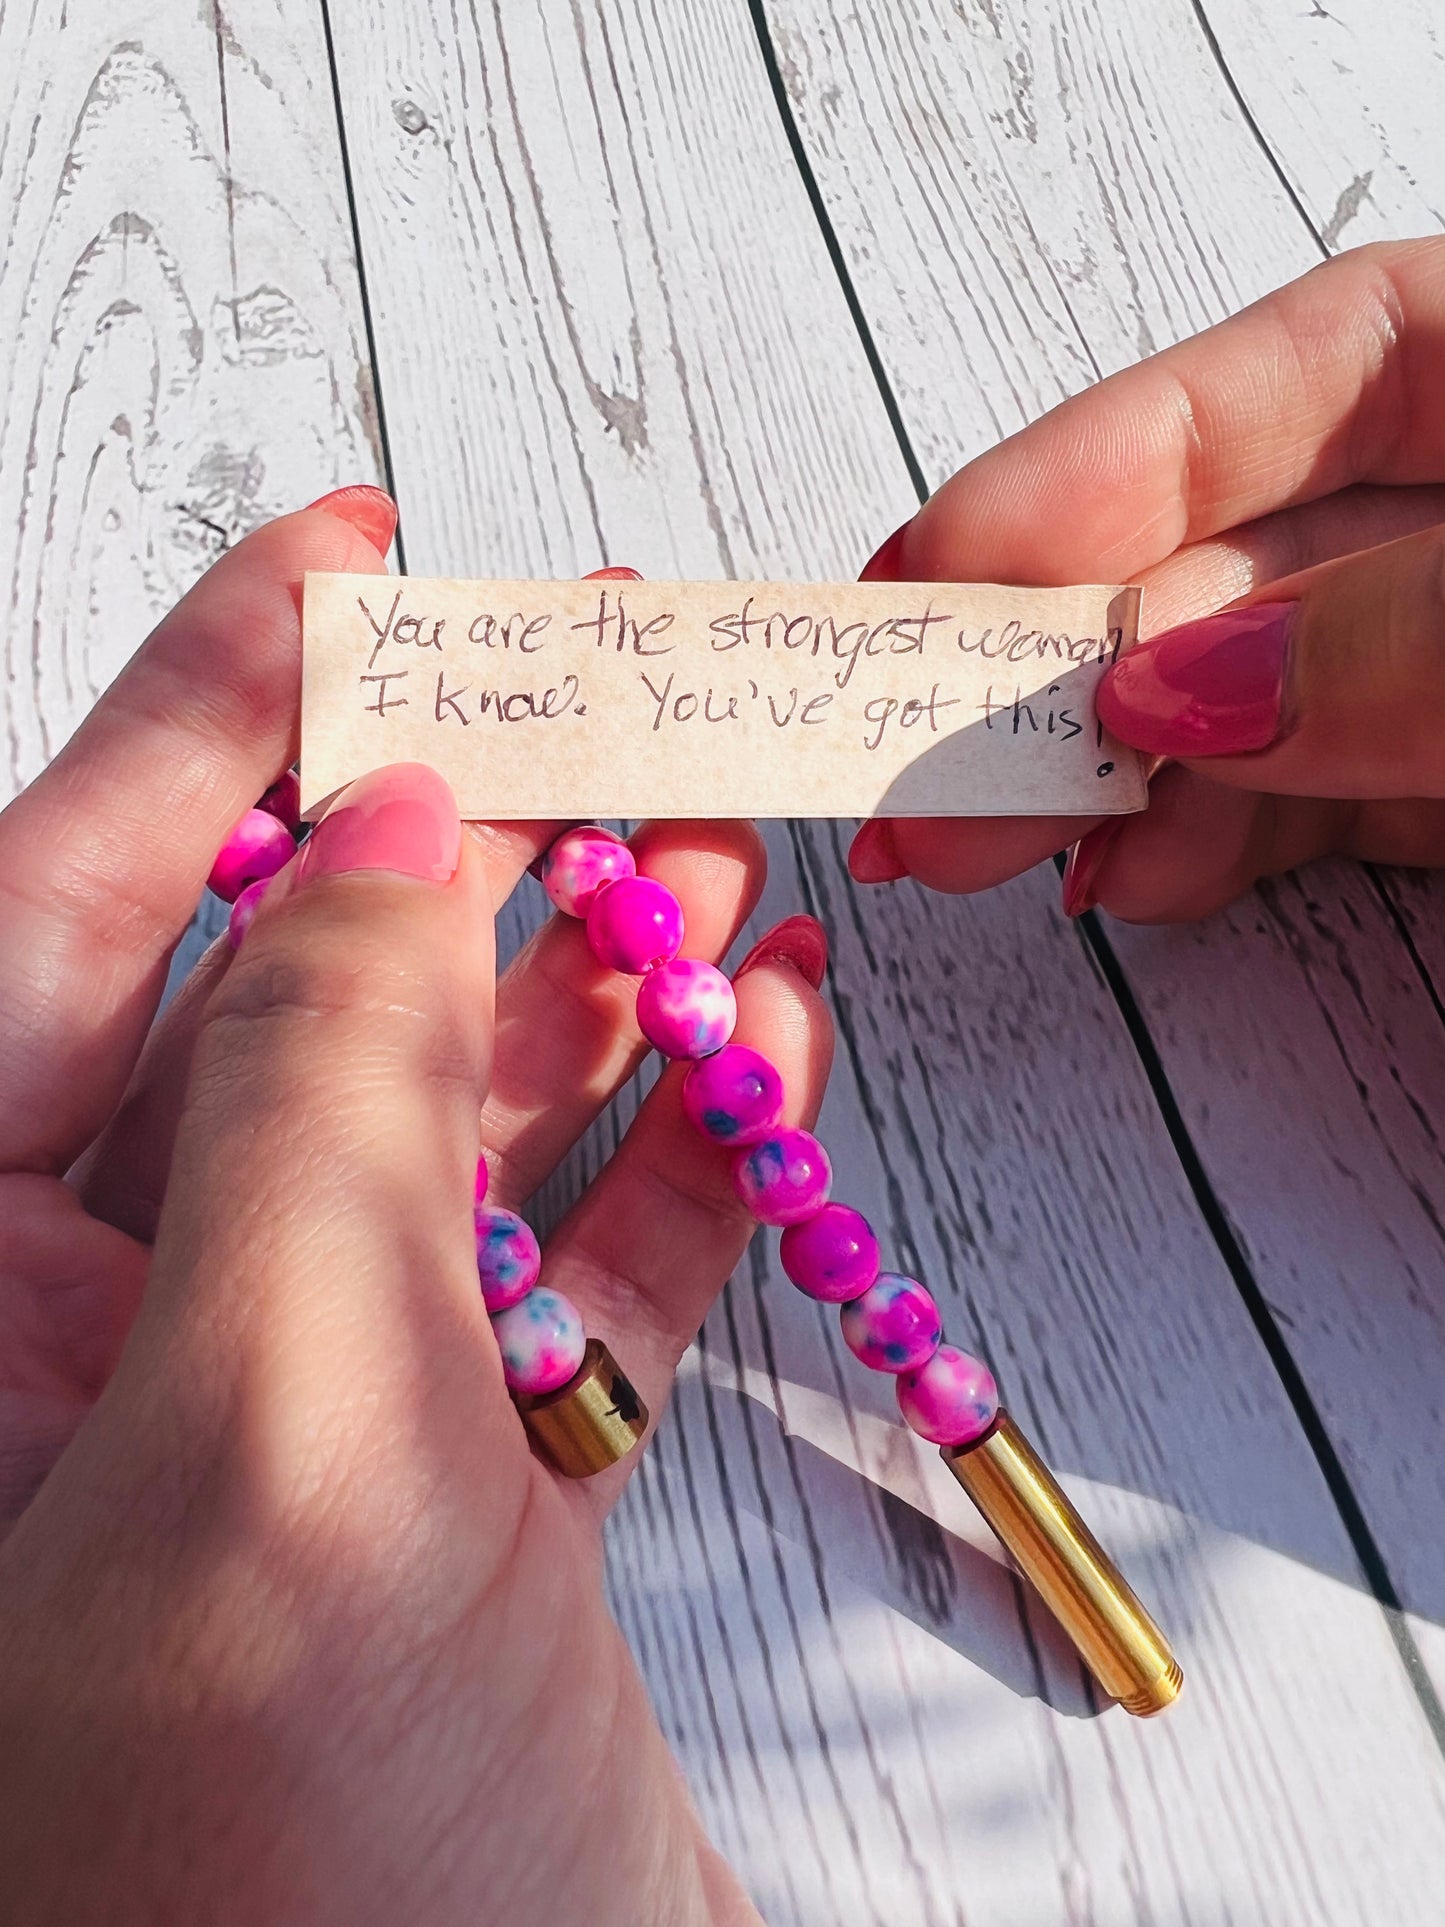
[(678, 699)]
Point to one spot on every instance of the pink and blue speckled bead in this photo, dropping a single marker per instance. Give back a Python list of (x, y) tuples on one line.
[(244, 909), (581, 863), (734, 1096), (542, 1341), (894, 1326), (951, 1400), (832, 1256), (509, 1259), (783, 1178), (258, 847), (634, 925), (686, 1008)]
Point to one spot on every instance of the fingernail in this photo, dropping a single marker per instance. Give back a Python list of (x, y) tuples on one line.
[(1081, 869), (403, 819), (371, 510), (1215, 687), (872, 857), (799, 941), (882, 565), (612, 575)]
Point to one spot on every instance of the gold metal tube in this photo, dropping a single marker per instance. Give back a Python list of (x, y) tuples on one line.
[(1053, 1548), (589, 1423)]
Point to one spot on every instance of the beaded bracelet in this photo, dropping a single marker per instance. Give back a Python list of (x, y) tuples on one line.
[(577, 1404)]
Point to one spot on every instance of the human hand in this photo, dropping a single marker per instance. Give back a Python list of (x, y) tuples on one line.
[(1261, 462), (295, 1626)]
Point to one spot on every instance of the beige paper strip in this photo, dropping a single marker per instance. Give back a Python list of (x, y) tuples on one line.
[(678, 699)]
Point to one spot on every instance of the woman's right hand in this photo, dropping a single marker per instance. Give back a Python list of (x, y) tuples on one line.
[(1260, 465)]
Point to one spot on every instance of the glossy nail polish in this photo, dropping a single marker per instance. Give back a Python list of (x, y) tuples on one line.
[(798, 941), (402, 818), (1085, 861), (1216, 687), (873, 857), (619, 574), (371, 510), (882, 565)]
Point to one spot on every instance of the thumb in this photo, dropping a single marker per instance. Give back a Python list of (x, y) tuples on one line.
[(312, 1320), (1330, 683)]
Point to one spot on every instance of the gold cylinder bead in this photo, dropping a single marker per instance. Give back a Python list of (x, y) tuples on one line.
[(589, 1423), (1032, 1515)]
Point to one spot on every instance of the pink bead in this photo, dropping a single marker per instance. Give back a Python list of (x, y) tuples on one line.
[(734, 1096), (580, 863), (783, 1178), (283, 800), (244, 909), (509, 1259), (258, 847), (635, 925), (484, 1178), (542, 1341), (950, 1400), (686, 1008), (832, 1256), (894, 1326)]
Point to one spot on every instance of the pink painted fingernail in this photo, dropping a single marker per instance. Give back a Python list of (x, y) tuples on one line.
[(402, 818), (882, 565), (612, 575), (800, 942), (371, 510), (1215, 687), (873, 857), (1081, 870)]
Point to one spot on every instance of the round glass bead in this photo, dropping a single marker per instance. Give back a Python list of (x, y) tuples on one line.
[(258, 847), (509, 1259), (484, 1179), (784, 1177), (634, 925), (283, 800), (580, 863), (686, 1008), (244, 909), (542, 1341), (894, 1326), (950, 1400), (733, 1097), (832, 1256)]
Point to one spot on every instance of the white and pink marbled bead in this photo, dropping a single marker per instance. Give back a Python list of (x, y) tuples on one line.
[(950, 1400), (258, 847), (686, 1008), (542, 1341), (580, 863), (509, 1259), (894, 1326)]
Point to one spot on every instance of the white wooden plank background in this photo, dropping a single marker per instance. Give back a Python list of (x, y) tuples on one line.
[(607, 327)]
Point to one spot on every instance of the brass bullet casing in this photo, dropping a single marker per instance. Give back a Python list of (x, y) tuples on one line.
[(1030, 1512), (589, 1423)]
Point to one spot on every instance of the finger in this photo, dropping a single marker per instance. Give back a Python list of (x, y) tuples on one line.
[(961, 854), (103, 858), (647, 1249), (313, 1299), (1335, 379), (1333, 685), (567, 1033)]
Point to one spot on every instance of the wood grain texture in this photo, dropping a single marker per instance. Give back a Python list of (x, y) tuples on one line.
[(643, 356), (1309, 1099), (178, 307)]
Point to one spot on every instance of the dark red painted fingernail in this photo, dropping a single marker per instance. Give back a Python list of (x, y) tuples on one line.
[(1215, 687), (613, 575), (799, 941), (371, 510), (873, 857), (882, 565), (1081, 870)]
